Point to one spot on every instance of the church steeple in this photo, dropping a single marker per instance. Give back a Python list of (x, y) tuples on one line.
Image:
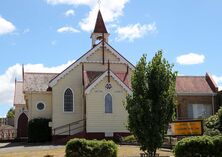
[(100, 25), (99, 33)]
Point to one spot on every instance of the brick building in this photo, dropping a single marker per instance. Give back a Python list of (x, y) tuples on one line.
[(196, 97)]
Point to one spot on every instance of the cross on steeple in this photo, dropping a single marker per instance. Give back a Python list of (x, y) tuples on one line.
[(99, 3)]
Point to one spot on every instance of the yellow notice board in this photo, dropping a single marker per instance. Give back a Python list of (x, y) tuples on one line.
[(185, 128)]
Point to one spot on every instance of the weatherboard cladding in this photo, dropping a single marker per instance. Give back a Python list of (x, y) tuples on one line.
[(37, 82), (83, 59)]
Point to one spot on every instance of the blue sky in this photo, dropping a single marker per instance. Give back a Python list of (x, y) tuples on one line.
[(47, 35)]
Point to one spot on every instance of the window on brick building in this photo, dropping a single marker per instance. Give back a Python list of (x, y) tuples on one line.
[(196, 111)]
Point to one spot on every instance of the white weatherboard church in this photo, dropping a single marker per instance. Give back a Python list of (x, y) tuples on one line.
[(86, 99)]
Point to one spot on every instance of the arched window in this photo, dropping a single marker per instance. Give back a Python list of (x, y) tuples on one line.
[(68, 100), (108, 103)]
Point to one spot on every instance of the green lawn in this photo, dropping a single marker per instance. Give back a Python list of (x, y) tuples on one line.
[(123, 151)]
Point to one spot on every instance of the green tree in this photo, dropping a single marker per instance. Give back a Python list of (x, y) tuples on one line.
[(213, 124), (152, 104), (11, 113)]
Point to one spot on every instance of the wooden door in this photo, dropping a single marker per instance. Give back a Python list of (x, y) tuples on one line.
[(22, 129)]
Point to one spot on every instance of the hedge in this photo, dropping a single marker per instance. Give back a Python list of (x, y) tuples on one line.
[(199, 146), (90, 148), (39, 130), (213, 124), (130, 139)]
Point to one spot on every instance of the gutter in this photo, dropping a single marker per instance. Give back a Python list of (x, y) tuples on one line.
[(196, 94)]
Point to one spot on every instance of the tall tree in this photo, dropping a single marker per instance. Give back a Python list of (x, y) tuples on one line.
[(152, 104), (11, 113)]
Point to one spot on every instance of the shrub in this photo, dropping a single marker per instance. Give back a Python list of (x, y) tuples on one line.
[(130, 139), (213, 124), (199, 146), (39, 131), (91, 148), (217, 140)]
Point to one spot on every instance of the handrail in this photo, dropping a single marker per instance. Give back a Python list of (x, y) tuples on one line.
[(70, 130), (63, 126), (69, 127)]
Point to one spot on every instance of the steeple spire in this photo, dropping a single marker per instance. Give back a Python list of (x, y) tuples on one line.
[(100, 32), (100, 25)]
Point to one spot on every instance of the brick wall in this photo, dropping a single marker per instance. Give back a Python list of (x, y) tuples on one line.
[(183, 102)]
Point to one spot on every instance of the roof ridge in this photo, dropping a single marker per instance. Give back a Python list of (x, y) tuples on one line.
[(74, 62), (53, 81), (190, 76)]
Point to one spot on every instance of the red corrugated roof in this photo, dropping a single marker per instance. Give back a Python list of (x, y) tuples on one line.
[(91, 76), (192, 84)]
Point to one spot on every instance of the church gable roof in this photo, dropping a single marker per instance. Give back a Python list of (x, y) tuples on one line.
[(91, 76), (37, 82), (84, 59), (97, 56), (101, 77)]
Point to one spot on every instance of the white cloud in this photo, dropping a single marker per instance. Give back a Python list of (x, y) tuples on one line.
[(6, 26), (132, 32), (69, 12), (111, 10), (190, 58), (67, 29), (7, 79), (218, 80)]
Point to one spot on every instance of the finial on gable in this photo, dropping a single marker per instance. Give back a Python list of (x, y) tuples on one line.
[(99, 3)]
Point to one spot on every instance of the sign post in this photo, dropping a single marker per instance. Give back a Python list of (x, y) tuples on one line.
[(185, 128)]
